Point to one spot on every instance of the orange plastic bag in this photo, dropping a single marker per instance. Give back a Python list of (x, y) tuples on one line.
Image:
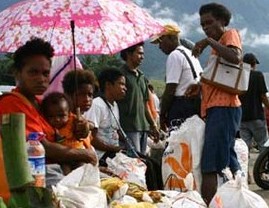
[(4, 190)]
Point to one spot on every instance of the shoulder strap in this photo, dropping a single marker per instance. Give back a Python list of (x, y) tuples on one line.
[(60, 70), (128, 142), (189, 61)]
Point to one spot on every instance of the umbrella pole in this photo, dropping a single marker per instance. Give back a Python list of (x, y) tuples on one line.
[(72, 24)]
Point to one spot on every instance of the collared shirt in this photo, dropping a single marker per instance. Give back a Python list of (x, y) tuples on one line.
[(178, 70), (132, 107), (213, 96)]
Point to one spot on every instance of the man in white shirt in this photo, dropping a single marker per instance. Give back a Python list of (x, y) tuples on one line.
[(182, 70)]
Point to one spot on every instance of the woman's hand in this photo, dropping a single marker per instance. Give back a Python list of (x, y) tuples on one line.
[(199, 47), (193, 90), (154, 131)]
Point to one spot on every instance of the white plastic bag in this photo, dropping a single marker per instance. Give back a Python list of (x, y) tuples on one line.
[(80, 189), (189, 199), (234, 193), (127, 168), (241, 150), (183, 155)]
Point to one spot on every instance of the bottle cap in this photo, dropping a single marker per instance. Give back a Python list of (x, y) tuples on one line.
[(36, 136)]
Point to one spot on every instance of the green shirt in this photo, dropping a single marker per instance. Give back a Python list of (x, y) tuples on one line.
[(132, 107)]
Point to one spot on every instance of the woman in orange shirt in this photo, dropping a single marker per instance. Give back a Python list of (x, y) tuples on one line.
[(32, 63), (220, 109)]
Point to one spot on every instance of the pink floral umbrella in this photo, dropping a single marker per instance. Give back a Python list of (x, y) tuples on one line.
[(101, 26)]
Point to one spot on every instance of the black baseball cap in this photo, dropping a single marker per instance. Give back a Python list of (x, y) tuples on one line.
[(250, 58)]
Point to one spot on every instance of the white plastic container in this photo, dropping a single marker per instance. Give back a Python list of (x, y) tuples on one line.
[(36, 158)]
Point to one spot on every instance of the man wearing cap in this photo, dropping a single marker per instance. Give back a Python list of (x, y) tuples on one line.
[(182, 70), (253, 123)]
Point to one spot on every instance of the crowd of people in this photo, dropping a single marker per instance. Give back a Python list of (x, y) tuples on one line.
[(88, 122)]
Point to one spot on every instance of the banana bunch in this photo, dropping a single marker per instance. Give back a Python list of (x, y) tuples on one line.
[(114, 187)]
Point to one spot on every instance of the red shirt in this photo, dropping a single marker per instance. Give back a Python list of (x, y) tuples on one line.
[(15, 102)]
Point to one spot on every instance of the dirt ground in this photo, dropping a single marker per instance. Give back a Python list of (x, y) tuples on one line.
[(263, 193)]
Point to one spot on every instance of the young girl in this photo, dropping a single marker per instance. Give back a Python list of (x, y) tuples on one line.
[(56, 109)]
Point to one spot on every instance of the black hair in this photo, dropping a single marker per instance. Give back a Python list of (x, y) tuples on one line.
[(131, 49), (34, 46), (108, 74), (79, 78), (218, 11), (151, 88), (53, 99)]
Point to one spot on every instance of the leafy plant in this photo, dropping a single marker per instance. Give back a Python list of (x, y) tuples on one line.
[(6, 73), (97, 63)]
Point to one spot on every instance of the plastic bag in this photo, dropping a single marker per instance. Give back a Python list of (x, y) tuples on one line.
[(127, 168), (234, 193), (189, 199), (183, 155), (80, 189), (175, 199), (241, 150)]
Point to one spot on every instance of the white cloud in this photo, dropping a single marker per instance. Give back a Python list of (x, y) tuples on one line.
[(158, 11), (165, 15), (139, 2), (165, 12), (253, 39), (155, 6), (164, 21), (189, 23)]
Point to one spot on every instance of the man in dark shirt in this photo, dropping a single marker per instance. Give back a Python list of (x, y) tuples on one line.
[(134, 116), (253, 124)]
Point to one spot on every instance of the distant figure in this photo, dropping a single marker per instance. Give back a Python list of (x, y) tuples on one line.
[(182, 70), (134, 115), (155, 97), (253, 123)]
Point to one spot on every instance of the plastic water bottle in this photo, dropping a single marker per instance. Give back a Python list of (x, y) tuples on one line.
[(36, 158)]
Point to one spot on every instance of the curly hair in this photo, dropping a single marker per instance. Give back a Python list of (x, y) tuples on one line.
[(131, 49), (34, 46), (109, 74), (80, 77), (218, 11), (53, 98)]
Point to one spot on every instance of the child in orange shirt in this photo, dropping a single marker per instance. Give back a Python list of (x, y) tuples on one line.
[(56, 109)]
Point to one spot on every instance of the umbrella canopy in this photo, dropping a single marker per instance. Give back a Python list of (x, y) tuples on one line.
[(101, 26)]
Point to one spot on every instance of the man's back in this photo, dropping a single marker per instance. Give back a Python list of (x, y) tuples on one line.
[(252, 107)]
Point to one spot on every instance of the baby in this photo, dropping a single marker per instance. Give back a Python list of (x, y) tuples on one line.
[(57, 111)]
